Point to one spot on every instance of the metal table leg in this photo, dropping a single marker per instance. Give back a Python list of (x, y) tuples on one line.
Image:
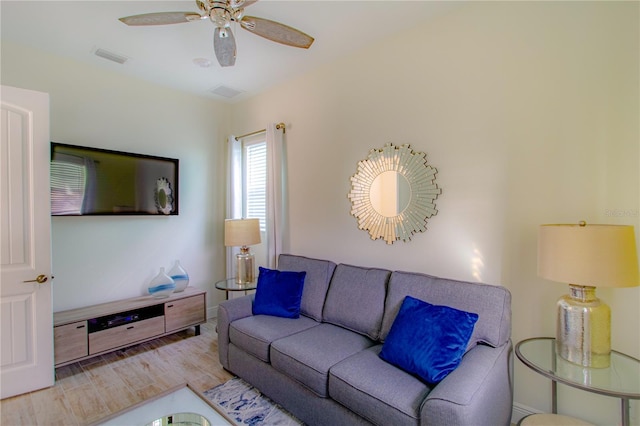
[(625, 411)]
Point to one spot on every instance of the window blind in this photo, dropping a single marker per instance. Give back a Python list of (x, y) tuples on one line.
[(68, 177), (256, 182)]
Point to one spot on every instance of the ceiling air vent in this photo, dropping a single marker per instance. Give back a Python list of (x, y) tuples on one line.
[(114, 57), (225, 91)]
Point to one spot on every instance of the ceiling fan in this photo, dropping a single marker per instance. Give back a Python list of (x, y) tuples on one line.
[(222, 13)]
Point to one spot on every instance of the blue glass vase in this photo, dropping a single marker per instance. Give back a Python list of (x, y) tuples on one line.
[(162, 285), (180, 276)]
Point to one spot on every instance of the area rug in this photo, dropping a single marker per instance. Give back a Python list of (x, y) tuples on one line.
[(247, 406)]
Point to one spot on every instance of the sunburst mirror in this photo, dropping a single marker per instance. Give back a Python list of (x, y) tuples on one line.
[(393, 193)]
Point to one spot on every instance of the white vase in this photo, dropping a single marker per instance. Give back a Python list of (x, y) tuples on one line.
[(180, 276), (162, 285)]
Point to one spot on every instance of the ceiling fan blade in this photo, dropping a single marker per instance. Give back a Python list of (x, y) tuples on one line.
[(276, 31), (161, 18), (224, 44)]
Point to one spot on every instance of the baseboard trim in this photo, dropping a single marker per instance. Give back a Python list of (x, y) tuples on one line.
[(520, 411), (212, 312)]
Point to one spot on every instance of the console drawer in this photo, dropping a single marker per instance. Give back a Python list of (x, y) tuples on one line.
[(70, 341), (185, 312), (123, 335)]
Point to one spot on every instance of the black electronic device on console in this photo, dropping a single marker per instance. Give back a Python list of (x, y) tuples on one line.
[(121, 318)]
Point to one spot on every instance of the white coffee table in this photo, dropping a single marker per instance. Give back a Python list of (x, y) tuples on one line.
[(174, 402)]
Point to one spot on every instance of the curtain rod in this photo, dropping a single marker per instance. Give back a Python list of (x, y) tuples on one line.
[(257, 132)]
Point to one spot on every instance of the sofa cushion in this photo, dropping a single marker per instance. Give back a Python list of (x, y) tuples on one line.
[(356, 299), (319, 273), (278, 293), (255, 334), (376, 390), (491, 303), (428, 340), (307, 356)]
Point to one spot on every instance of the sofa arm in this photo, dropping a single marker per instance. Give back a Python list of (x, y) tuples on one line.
[(228, 312), (478, 392)]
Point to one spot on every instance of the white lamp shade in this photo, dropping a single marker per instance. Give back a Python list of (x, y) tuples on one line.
[(241, 232), (588, 255)]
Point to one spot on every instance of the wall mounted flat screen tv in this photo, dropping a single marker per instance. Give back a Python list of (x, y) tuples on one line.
[(92, 181)]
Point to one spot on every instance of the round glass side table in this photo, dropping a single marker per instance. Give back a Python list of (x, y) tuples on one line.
[(620, 380), (230, 284)]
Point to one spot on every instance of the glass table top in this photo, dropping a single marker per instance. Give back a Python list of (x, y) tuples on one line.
[(230, 284), (620, 379)]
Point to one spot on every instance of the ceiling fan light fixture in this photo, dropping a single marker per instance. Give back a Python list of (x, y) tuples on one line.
[(238, 14), (220, 16)]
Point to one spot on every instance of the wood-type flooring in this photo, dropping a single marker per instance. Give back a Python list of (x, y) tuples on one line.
[(89, 390)]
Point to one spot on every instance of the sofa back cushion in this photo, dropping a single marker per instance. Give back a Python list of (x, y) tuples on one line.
[(356, 299), (491, 303), (316, 283)]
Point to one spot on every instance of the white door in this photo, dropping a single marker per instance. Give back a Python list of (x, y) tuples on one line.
[(26, 319)]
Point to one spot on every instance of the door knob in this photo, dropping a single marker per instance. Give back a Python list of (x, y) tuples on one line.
[(40, 279)]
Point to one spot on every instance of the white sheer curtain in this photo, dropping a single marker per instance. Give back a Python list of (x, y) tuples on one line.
[(234, 193), (275, 193)]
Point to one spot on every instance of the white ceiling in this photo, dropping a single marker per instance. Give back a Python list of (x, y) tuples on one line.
[(165, 54)]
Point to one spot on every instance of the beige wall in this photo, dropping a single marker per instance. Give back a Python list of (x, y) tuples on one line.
[(97, 259), (529, 111)]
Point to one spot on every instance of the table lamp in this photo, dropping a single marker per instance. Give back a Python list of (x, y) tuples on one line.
[(243, 233), (586, 257)]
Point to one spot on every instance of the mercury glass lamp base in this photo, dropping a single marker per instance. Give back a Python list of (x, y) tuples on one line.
[(245, 266), (583, 334)]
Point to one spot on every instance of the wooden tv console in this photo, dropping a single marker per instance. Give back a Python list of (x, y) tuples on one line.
[(94, 330)]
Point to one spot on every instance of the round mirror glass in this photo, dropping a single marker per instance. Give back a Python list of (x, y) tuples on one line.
[(390, 193), (393, 193), (162, 198)]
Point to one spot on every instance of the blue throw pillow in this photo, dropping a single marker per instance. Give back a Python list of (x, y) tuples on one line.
[(428, 340), (278, 293)]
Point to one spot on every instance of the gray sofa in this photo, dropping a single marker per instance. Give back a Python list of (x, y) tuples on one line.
[(324, 366)]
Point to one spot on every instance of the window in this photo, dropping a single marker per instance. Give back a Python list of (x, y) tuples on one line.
[(254, 191), (68, 182)]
